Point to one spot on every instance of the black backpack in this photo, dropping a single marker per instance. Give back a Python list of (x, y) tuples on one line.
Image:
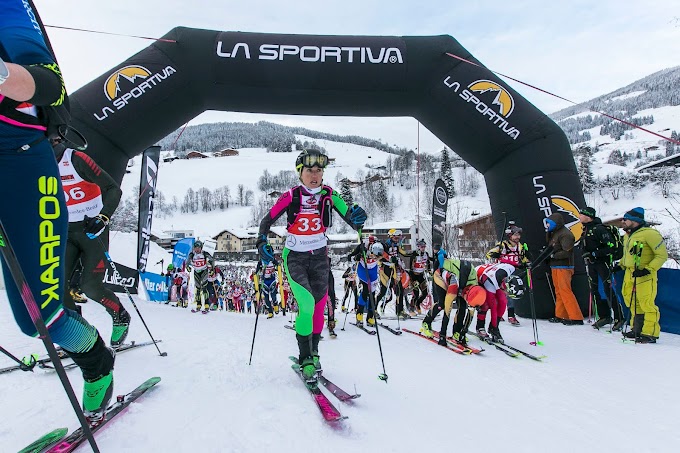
[(617, 247)]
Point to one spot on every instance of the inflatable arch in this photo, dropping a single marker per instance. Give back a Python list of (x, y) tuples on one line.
[(524, 156)]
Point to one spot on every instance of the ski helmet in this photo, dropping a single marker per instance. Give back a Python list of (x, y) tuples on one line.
[(310, 158), (514, 287), (421, 243), (171, 266), (474, 295), (394, 233), (371, 239), (198, 245), (376, 248), (513, 229)]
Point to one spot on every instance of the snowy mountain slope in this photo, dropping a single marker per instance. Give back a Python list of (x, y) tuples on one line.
[(176, 177)]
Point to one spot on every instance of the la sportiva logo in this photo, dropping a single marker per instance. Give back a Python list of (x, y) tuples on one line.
[(558, 203), (489, 99), (323, 54), (128, 83), (441, 195)]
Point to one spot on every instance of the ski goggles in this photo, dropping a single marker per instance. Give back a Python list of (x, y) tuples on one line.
[(315, 160)]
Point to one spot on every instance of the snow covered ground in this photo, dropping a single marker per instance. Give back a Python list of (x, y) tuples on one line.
[(592, 394)]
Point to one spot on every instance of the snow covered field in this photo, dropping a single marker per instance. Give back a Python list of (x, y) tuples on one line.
[(592, 394)]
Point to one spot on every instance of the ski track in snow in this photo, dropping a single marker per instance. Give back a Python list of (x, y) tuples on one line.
[(210, 400)]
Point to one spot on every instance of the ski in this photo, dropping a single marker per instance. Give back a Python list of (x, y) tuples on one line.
[(45, 363), (337, 391), (526, 354), (456, 349), (332, 387), (46, 441), (329, 412), (370, 332), (390, 329), (504, 348), (454, 342), (73, 440)]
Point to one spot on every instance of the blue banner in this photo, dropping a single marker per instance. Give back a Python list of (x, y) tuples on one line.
[(155, 286), (182, 249), (666, 298)]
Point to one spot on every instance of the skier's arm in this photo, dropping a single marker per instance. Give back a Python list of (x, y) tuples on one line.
[(567, 245), (605, 242), (658, 246), (91, 172), (356, 252), (495, 252), (273, 214)]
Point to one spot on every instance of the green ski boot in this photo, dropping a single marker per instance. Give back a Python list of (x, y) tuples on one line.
[(121, 327)]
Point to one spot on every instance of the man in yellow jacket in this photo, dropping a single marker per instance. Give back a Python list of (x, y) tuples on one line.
[(644, 252)]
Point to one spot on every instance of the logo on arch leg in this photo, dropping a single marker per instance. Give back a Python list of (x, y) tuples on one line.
[(570, 212), (502, 98)]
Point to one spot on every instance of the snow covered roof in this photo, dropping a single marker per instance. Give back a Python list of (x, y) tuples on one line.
[(241, 233), (664, 162), (279, 231), (351, 237), (399, 224)]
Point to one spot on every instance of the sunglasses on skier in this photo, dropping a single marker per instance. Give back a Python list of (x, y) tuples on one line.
[(315, 160)]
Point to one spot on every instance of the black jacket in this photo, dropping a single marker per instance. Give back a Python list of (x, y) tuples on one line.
[(597, 240)]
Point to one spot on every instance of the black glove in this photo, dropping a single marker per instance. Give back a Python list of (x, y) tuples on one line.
[(357, 215), (442, 340), (640, 272), (94, 226), (395, 260)]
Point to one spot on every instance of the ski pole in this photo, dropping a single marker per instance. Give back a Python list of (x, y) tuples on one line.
[(347, 313), (34, 312), (371, 298), (256, 283), (115, 271), (533, 308)]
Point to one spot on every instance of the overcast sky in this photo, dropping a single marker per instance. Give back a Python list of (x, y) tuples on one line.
[(575, 48)]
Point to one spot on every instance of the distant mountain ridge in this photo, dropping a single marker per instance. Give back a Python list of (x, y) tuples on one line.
[(656, 90), (653, 91), (263, 134)]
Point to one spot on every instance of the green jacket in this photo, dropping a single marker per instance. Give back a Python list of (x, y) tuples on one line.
[(654, 253), (453, 265)]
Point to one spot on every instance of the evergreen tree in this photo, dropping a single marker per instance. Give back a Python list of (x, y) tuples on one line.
[(447, 173), (346, 192), (585, 171), (670, 148), (616, 158), (382, 200)]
